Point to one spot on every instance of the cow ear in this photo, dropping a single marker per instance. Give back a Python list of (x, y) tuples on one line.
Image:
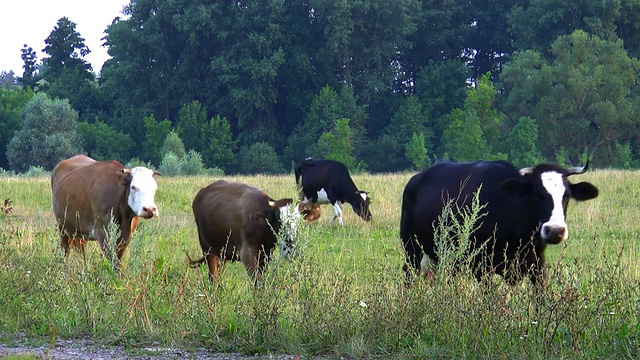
[(156, 173), (515, 187), (125, 176), (280, 203), (583, 191)]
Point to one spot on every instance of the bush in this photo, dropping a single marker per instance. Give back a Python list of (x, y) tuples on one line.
[(137, 162), (170, 164), (259, 158), (36, 172), (191, 164)]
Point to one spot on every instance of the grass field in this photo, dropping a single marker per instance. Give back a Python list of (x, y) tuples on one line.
[(343, 295)]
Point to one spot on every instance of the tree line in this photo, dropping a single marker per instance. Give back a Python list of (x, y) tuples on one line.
[(252, 86)]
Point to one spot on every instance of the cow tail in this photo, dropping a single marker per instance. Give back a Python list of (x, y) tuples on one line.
[(406, 226), (195, 263)]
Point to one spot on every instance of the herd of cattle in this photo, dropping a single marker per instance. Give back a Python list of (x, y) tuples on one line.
[(523, 211)]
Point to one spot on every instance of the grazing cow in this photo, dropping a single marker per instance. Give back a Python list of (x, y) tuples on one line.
[(88, 193), (240, 222), (329, 182), (525, 210)]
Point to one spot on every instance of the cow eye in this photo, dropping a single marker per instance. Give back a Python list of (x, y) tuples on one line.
[(134, 188)]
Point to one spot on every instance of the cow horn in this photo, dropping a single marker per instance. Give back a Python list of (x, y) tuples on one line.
[(578, 170), (526, 171)]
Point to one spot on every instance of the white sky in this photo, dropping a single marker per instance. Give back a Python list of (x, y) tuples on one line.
[(31, 22)]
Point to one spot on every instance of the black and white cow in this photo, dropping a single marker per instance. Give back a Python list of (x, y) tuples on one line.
[(525, 211), (329, 182)]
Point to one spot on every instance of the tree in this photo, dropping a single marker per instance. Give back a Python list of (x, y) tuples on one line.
[(218, 145), (259, 158), (521, 143), (409, 119), (29, 76), (102, 142), (416, 151), (173, 143), (585, 94), (155, 134), (66, 50), (464, 139), (191, 119), (337, 145), (66, 72), (47, 136), (11, 103)]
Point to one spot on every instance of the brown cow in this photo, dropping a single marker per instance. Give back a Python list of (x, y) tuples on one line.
[(87, 193), (239, 222), (310, 212)]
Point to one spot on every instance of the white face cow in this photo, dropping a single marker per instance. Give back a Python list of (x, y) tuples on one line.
[(553, 182), (289, 218), (142, 191)]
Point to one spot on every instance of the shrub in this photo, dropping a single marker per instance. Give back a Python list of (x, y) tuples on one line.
[(170, 164), (191, 164), (259, 158), (36, 171)]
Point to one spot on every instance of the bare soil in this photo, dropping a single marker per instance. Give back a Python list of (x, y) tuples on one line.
[(87, 349)]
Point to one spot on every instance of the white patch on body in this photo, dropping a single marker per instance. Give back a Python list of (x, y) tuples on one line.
[(142, 191), (553, 182), (289, 218), (323, 198)]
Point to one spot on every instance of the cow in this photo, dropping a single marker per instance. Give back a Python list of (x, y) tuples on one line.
[(329, 182), (87, 194), (525, 211), (309, 212), (237, 221)]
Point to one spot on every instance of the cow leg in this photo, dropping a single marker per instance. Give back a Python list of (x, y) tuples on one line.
[(213, 262), (64, 243), (252, 265), (337, 210)]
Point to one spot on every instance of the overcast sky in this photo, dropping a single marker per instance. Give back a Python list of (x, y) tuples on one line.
[(31, 22)]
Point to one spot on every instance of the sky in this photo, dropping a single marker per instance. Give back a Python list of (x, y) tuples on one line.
[(31, 22)]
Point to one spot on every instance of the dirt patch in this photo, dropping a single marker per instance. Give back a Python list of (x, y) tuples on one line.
[(86, 349)]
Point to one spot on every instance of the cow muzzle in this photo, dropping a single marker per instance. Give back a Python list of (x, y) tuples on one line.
[(554, 233), (149, 211)]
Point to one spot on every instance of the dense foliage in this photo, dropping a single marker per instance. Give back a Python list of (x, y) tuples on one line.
[(525, 81)]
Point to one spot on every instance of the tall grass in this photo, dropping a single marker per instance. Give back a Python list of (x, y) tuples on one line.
[(343, 294)]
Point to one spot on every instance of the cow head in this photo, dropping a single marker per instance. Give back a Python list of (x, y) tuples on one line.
[(362, 206), (309, 212), (142, 189), (547, 192), (288, 232)]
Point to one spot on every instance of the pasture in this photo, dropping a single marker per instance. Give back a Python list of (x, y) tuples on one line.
[(343, 294)]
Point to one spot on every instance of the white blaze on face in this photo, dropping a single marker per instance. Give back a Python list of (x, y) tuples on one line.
[(289, 218), (142, 191), (553, 182), (363, 195)]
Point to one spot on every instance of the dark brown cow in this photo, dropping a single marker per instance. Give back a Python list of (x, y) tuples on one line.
[(87, 193), (239, 222)]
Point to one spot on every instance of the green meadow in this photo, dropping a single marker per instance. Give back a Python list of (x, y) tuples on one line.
[(343, 295)]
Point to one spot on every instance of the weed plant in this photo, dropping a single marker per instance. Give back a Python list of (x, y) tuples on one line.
[(343, 294)]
